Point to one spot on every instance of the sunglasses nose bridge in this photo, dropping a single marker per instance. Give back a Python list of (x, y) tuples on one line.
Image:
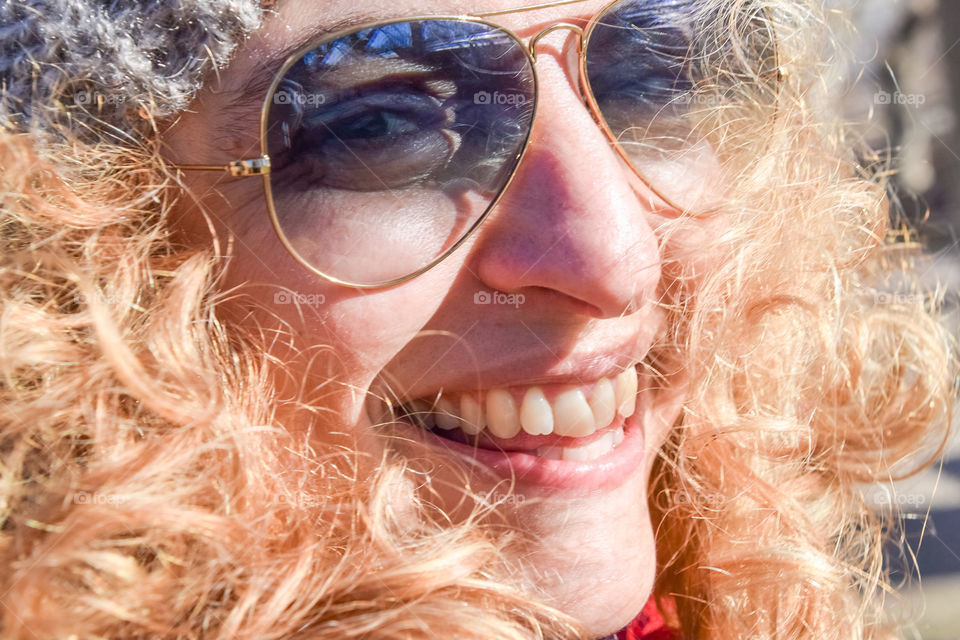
[(578, 30)]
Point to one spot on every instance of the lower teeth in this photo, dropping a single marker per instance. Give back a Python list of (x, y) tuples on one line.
[(596, 449)]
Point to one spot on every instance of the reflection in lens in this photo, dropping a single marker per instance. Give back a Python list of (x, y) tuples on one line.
[(672, 91), (388, 144)]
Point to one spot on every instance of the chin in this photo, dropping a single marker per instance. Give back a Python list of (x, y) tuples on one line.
[(594, 557)]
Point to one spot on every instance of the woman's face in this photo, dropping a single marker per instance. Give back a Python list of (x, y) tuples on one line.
[(537, 323)]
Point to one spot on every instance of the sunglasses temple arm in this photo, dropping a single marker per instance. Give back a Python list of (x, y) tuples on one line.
[(237, 168)]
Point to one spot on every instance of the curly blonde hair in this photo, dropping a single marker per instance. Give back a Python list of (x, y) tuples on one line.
[(150, 485)]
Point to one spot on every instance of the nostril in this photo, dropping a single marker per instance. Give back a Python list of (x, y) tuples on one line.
[(571, 304)]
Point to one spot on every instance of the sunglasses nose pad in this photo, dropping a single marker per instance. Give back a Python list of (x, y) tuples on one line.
[(575, 64), (574, 56)]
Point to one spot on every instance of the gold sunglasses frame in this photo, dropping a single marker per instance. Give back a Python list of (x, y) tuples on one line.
[(260, 166)]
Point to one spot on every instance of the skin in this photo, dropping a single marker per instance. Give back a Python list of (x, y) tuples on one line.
[(589, 261)]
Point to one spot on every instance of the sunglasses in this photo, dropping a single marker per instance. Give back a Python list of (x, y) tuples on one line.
[(383, 148)]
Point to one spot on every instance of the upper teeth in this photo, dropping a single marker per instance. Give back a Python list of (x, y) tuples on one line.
[(574, 412)]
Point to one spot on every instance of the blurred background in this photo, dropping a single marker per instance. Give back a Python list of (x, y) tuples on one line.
[(902, 82)]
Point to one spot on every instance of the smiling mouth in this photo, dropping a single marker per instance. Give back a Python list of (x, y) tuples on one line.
[(560, 422)]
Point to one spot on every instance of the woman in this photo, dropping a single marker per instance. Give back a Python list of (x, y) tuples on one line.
[(495, 320)]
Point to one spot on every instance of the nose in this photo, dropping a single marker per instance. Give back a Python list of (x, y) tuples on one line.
[(572, 220)]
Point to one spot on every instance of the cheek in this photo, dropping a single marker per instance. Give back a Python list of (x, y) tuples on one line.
[(320, 330), (372, 328), (330, 332)]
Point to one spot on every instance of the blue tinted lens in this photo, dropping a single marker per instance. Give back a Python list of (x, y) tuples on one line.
[(393, 141), (668, 78), (637, 62)]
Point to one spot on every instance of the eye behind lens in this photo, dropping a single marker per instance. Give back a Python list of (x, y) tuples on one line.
[(431, 112)]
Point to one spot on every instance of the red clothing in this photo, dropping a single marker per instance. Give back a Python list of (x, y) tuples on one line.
[(649, 625)]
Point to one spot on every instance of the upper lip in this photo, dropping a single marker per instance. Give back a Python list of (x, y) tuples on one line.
[(604, 350), (567, 372)]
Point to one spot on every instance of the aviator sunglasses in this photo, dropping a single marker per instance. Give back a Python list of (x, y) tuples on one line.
[(385, 146)]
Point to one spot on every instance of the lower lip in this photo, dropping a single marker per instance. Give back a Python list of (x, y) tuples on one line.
[(606, 472)]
